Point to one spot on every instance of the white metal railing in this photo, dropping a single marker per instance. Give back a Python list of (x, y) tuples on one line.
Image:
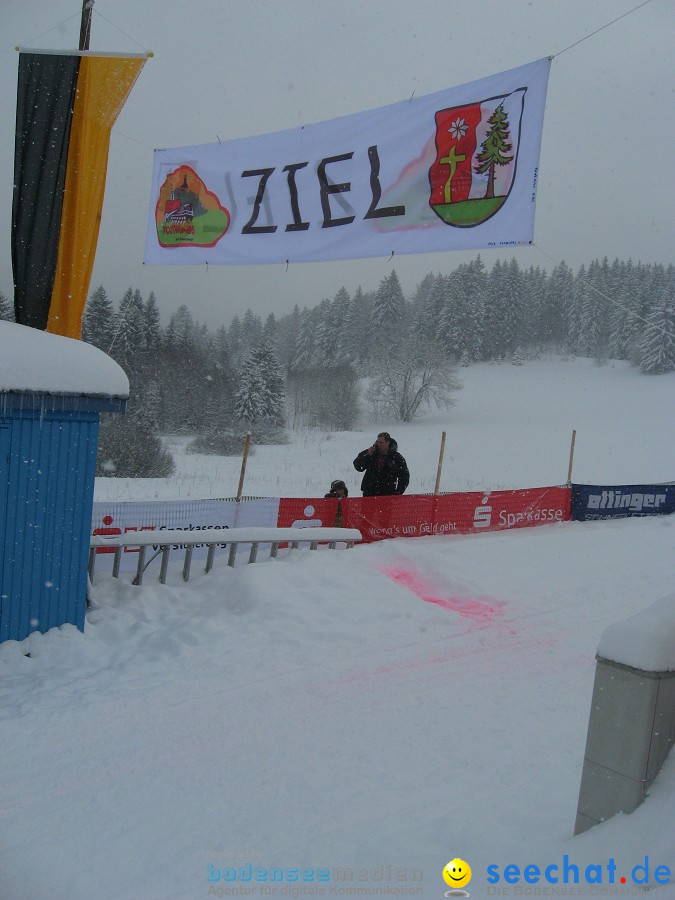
[(165, 541)]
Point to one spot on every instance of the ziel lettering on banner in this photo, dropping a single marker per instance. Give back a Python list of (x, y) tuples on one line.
[(452, 170)]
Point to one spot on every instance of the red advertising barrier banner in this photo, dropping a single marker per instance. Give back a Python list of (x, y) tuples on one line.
[(414, 515), (111, 518)]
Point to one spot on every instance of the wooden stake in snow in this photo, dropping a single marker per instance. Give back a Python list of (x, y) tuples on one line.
[(440, 463), (569, 470), (247, 444)]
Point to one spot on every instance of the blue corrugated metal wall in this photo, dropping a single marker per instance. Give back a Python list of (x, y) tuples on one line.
[(47, 470)]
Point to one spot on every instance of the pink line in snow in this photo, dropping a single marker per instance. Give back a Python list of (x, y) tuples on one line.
[(479, 609)]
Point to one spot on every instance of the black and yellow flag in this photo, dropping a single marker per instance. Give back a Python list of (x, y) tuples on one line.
[(67, 104)]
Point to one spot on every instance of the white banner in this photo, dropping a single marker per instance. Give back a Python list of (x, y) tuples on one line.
[(113, 519), (455, 170)]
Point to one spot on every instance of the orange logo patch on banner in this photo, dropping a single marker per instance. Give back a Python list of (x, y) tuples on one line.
[(187, 213)]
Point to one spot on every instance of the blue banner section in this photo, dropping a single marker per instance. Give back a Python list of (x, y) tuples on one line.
[(592, 501)]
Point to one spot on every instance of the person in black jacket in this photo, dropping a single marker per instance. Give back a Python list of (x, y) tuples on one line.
[(385, 469)]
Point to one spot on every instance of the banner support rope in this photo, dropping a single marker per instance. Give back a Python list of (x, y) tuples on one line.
[(602, 28)]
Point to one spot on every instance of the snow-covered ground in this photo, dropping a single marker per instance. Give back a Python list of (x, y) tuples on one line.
[(321, 712)]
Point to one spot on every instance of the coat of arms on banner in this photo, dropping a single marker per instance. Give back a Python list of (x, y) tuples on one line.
[(187, 213), (476, 154)]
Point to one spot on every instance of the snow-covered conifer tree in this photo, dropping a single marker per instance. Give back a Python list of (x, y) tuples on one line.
[(518, 357), (270, 328), (324, 337), (251, 331), (420, 302), (452, 314), (234, 340), (430, 298), (249, 401), (594, 320), (304, 342), (274, 385), (338, 319), (557, 299), (658, 339), (476, 291), (388, 313), (357, 329), (182, 330), (261, 393), (129, 336), (153, 332), (284, 339), (6, 309), (98, 321)]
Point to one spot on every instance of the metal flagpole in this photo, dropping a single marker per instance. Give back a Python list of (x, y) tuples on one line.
[(85, 24)]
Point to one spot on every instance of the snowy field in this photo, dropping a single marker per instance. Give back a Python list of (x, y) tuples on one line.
[(315, 713), (511, 427)]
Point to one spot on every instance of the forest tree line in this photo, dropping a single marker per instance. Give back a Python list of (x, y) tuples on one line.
[(303, 368)]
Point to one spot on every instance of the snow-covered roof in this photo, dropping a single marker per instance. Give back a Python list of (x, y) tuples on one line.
[(644, 641), (37, 361)]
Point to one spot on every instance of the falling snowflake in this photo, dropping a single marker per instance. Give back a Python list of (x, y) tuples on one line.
[(458, 128)]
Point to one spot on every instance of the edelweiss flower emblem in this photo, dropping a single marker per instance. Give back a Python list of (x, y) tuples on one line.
[(458, 128)]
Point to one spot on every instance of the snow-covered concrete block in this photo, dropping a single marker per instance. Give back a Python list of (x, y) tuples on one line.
[(632, 721)]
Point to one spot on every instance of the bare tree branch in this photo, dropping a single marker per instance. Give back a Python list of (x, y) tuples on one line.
[(415, 375)]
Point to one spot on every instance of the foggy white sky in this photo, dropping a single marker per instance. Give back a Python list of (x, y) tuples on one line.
[(226, 69)]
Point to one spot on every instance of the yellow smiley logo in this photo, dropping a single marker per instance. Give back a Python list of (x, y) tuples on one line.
[(457, 873)]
